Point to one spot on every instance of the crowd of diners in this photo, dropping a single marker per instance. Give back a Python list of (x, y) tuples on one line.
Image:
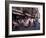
[(22, 20)]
